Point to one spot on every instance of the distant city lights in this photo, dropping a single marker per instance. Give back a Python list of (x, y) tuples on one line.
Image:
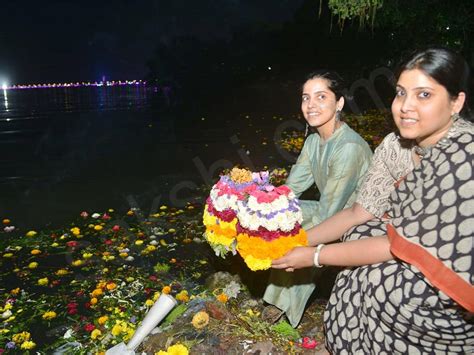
[(75, 85)]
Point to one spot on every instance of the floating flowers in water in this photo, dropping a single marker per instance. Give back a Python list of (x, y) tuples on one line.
[(43, 281), (200, 320), (31, 234), (49, 315)]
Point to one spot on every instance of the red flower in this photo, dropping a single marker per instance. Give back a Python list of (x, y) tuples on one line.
[(105, 216), (309, 343), (89, 327), (72, 311), (72, 244), (116, 228), (153, 278), (87, 305), (108, 241)]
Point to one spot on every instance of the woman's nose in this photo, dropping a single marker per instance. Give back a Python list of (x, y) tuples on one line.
[(407, 103)]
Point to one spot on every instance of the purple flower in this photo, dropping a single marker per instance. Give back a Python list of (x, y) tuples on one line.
[(11, 345)]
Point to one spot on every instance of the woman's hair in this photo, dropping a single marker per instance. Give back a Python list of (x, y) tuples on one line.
[(335, 82), (448, 68)]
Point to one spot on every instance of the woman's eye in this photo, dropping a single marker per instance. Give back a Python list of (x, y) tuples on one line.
[(304, 98), (400, 92), (424, 95), (321, 97)]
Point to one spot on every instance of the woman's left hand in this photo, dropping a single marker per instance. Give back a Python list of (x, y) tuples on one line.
[(297, 258)]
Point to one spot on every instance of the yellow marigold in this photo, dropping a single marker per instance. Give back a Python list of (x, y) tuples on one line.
[(15, 291), (200, 320), (177, 349), (98, 227), (183, 296), (255, 264), (111, 286), (240, 175), (62, 272), (222, 297), (130, 213), (76, 230), (49, 315), (43, 282), (149, 303), (21, 337), (102, 320), (35, 252), (94, 300), (97, 292), (28, 345), (117, 329), (31, 234), (77, 262), (6, 221), (166, 289), (96, 333), (33, 265), (101, 284)]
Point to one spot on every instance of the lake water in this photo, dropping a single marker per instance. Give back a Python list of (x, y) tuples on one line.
[(94, 148)]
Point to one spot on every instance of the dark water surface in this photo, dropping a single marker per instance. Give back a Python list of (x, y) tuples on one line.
[(68, 150)]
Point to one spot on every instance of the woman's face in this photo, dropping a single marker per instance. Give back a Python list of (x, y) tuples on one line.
[(318, 103), (422, 108)]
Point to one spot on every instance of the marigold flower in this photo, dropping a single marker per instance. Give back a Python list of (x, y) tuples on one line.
[(98, 227), (49, 315), (31, 234), (77, 262), (28, 345), (96, 333), (35, 252), (62, 272), (102, 320), (15, 291), (200, 320), (97, 292), (222, 298), (166, 289), (177, 349), (130, 213), (149, 303), (93, 300), (183, 296), (111, 286), (6, 221), (117, 329), (43, 282), (21, 337), (33, 265), (76, 231)]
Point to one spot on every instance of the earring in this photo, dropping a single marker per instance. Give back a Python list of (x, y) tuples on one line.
[(338, 115), (455, 116), (306, 130)]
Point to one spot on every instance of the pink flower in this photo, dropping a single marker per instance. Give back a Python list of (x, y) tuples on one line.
[(105, 216), (84, 214), (116, 228), (309, 343), (89, 327)]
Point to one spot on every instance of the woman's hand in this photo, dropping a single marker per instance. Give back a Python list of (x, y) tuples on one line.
[(297, 258)]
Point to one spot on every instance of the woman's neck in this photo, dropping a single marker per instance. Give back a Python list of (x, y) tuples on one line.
[(326, 131)]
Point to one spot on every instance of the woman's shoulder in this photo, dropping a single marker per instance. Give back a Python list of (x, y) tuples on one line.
[(461, 127), (348, 135)]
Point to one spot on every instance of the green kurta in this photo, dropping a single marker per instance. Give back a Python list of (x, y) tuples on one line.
[(337, 166)]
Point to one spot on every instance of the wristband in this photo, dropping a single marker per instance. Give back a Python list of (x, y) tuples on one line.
[(316, 255)]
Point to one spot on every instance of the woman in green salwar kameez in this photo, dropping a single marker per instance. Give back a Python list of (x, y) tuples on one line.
[(335, 159)]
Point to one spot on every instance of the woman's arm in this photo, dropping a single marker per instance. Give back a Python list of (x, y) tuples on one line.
[(334, 227), (353, 253), (301, 177)]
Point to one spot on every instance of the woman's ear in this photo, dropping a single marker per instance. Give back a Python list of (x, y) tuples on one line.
[(340, 104), (458, 102)]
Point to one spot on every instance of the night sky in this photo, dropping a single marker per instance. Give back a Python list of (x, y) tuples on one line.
[(51, 41)]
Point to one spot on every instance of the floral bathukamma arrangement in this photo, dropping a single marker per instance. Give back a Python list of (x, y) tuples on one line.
[(266, 220)]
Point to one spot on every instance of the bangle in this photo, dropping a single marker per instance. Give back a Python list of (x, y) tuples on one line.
[(316, 255)]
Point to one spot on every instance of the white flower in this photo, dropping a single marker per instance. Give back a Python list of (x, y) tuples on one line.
[(130, 258), (68, 334), (95, 215), (7, 314), (154, 242)]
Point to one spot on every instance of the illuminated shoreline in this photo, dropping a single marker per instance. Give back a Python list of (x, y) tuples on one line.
[(76, 84)]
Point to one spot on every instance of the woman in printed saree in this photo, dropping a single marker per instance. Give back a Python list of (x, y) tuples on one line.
[(408, 285), (335, 159)]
